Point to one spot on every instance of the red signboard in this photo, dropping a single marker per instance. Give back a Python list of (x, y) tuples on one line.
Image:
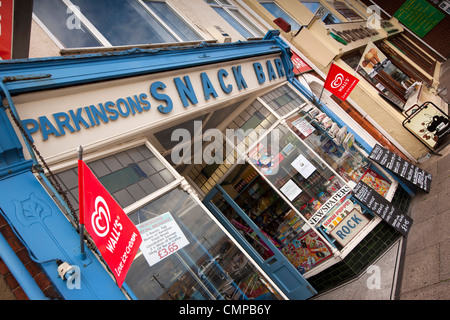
[(114, 234), (6, 26), (300, 66), (339, 82)]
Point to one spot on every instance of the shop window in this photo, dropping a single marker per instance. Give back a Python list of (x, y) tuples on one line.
[(302, 176), (293, 163), (283, 100), (279, 12), (331, 142), (274, 217), (390, 81), (345, 11), (203, 264), (53, 15), (129, 176), (253, 119), (126, 22), (320, 10), (235, 18)]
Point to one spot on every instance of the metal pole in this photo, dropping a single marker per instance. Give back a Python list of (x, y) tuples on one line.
[(320, 97), (81, 201), (19, 271)]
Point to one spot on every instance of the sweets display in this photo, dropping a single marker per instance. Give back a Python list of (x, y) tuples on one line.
[(306, 251), (376, 182)]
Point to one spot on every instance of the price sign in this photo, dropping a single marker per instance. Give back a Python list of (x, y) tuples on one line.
[(401, 168), (383, 208), (161, 237)]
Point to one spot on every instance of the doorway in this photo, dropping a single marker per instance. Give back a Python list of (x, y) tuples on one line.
[(266, 227)]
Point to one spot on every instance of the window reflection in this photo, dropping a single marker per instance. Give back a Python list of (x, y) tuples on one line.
[(209, 267), (124, 23), (291, 162), (71, 33)]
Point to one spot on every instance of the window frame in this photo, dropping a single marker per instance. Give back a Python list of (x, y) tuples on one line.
[(103, 42), (229, 7), (283, 10), (327, 11)]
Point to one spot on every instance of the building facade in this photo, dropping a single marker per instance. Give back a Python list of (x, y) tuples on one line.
[(219, 136), (406, 74)]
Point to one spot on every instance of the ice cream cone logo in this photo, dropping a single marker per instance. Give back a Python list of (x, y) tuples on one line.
[(338, 80)]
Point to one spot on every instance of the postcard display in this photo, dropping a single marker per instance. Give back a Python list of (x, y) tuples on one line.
[(337, 148), (323, 198)]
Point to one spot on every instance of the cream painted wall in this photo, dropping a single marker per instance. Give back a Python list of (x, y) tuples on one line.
[(40, 43), (199, 13), (390, 119)]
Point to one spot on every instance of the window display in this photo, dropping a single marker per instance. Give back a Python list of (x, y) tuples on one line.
[(296, 164), (204, 263), (277, 221), (332, 143)]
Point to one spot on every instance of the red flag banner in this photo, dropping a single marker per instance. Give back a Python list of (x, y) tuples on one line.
[(6, 27), (339, 82), (114, 234), (300, 66)]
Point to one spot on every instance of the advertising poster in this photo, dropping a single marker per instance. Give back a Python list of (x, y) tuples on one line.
[(303, 166), (373, 60), (376, 182), (161, 237), (429, 125), (266, 162), (291, 190), (303, 126), (307, 251)]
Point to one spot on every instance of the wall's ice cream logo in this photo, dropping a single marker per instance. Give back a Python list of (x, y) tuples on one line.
[(338, 80), (101, 217)]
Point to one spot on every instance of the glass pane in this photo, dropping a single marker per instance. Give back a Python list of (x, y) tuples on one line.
[(312, 6), (207, 265), (275, 219), (124, 22), (173, 20), (247, 22), (121, 179), (128, 175), (292, 168), (235, 24), (331, 19), (283, 100), (64, 26), (321, 137), (277, 12)]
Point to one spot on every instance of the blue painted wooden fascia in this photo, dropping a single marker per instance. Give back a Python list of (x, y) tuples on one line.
[(12, 159), (22, 76), (48, 236), (286, 56)]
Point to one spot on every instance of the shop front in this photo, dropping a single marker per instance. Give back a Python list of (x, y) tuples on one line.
[(240, 187)]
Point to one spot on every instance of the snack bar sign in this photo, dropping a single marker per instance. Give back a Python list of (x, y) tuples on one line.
[(167, 95), (161, 237)]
